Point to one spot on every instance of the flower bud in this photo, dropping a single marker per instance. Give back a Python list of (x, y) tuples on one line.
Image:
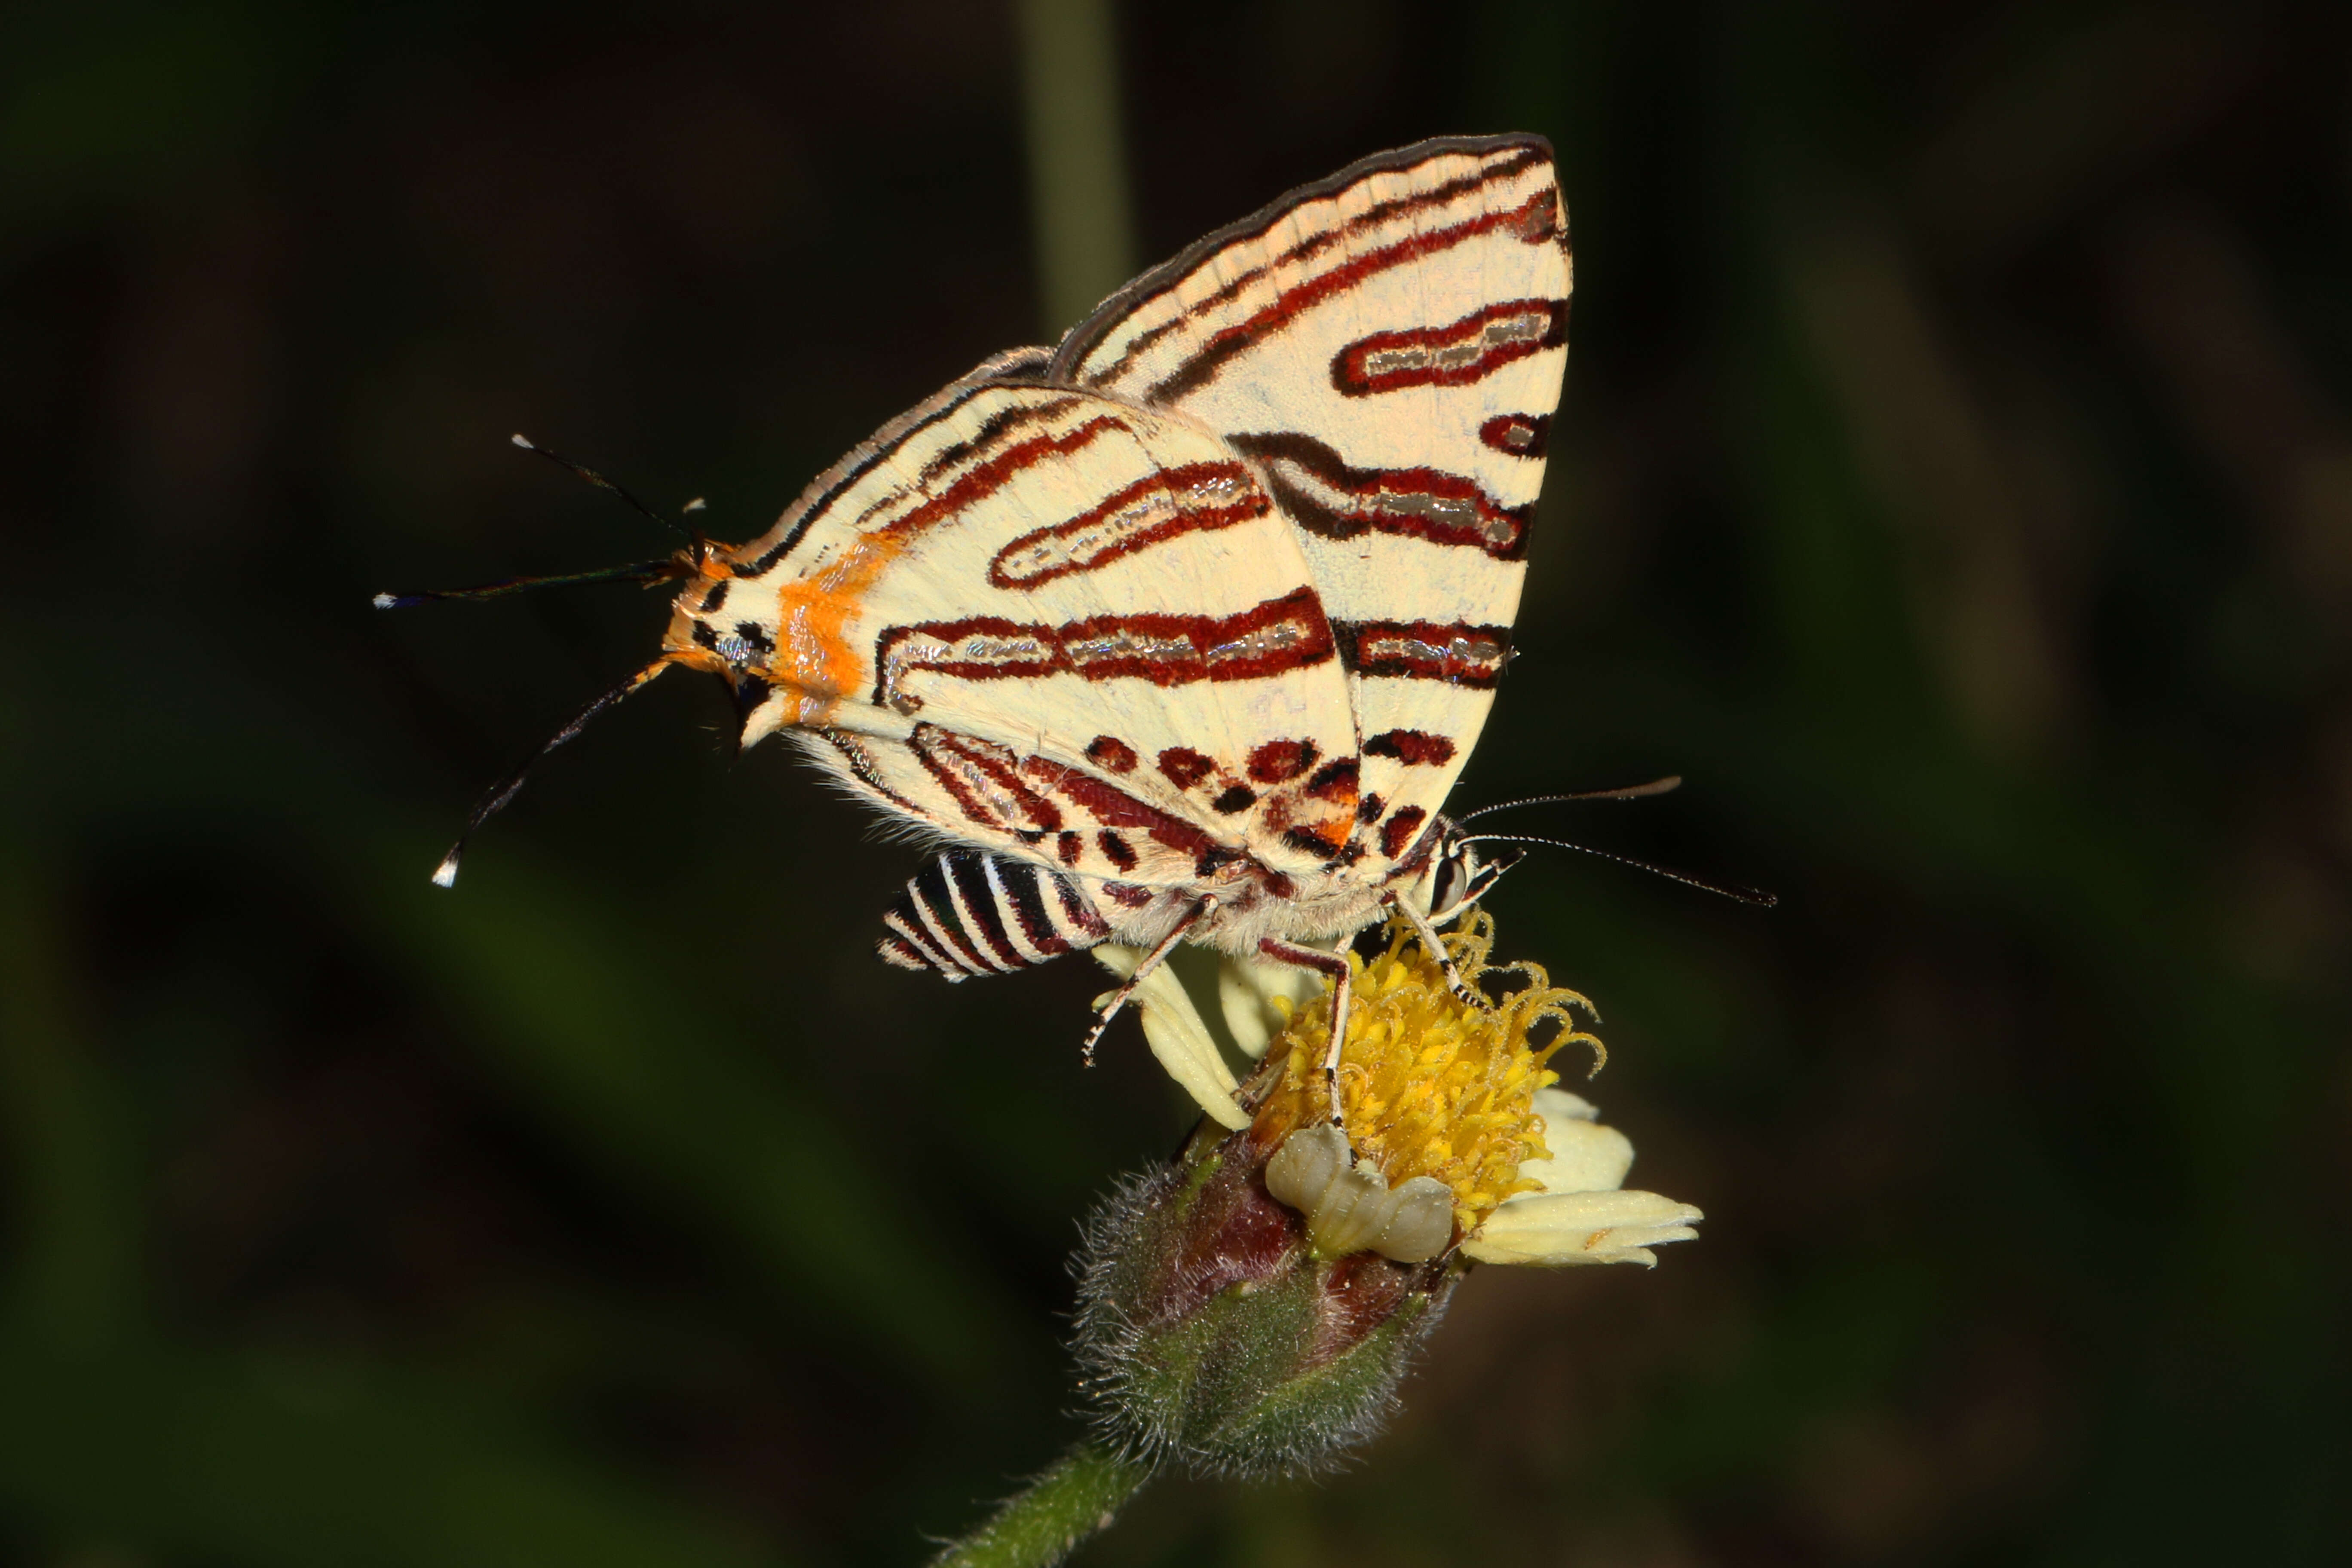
[(1214, 1334)]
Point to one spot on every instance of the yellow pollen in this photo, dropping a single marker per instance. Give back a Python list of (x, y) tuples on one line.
[(1430, 1085)]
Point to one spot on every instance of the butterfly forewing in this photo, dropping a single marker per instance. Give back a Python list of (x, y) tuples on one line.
[(1387, 346), (1059, 624)]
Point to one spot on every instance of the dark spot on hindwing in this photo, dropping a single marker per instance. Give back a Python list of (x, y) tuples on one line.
[(1335, 780), (1397, 834), (1116, 849), (1215, 858), (1280, 762), (1184, 767), (1411, 747), (1519, 435), (1238, 797), (1306, 840), (1110, 751)]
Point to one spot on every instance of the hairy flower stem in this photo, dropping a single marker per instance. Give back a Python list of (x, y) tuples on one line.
[(1078, 1494)]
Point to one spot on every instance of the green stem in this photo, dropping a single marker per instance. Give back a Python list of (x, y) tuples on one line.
[(1077, 159), (1078, 1494)]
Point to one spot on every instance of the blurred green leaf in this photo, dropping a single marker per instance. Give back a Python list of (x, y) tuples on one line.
[(275, 1459), (632, 1061)]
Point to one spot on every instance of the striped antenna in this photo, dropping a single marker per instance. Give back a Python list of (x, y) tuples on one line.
[(692, 536), (639, 571), (1732, 890), (1630, 792), (445, 875)]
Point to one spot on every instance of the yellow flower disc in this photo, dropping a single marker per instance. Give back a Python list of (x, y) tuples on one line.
[(1430, 1085)]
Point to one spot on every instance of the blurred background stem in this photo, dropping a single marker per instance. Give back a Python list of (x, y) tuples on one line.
[(74, 1273), (1079, 209)]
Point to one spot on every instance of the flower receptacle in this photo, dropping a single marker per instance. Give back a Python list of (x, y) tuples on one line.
[(1213, 1335)]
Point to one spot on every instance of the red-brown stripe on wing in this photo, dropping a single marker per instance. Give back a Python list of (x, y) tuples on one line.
[(1196, 498), (1533, 219), (1456, 652), (756, 558), (990, 475), (1323, 494), (982, 778), (1458, 353), (1167, 649), (1159, 280)]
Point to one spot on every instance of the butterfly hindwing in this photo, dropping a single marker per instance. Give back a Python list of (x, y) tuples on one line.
[(1387, 346)]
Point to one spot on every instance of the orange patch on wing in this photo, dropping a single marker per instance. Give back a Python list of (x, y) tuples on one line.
[(814, 664), (1332, 831)]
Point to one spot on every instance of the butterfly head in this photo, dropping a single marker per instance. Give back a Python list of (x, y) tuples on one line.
[(719, 626), (1458, 871)]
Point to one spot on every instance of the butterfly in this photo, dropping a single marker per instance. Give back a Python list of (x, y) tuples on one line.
[(1183, 629)]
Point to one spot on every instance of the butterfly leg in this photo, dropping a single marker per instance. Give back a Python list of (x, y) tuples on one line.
[(1150, 961), (1333, 966), (1436, 946)]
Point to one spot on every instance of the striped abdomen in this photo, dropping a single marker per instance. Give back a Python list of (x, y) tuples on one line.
[(972, 913)]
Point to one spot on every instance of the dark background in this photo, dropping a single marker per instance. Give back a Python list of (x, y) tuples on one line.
[(1955, 484)]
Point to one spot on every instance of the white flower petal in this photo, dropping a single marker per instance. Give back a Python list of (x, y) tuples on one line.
[(1306, 1164), (1558, 1228), (1352, 1212), (1558, 1104), (1421, 1221), (1586, 1157), (1245, 993), (1179, 1036), (1350, 1207)]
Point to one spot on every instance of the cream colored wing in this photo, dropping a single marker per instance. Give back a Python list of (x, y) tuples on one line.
[(1387, 346), (1051, 621)]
